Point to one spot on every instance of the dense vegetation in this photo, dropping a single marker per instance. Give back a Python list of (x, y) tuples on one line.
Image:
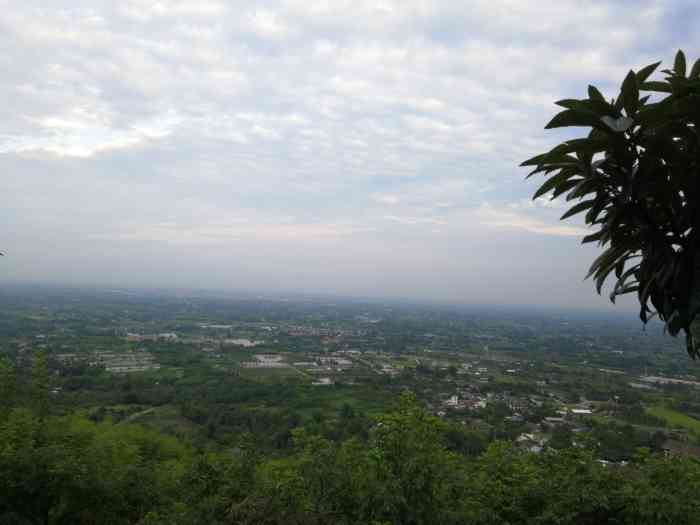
[(409, 467)]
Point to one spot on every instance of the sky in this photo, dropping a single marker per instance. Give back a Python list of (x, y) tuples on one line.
[(363, 148)]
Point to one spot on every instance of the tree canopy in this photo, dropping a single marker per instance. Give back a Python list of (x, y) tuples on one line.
[(636, 176)]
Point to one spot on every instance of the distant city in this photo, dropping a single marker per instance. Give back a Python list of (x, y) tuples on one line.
[(505, 373)]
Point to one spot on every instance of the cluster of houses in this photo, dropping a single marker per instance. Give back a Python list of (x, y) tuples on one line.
[(121, 363), (115, 362), (165, 336), (266, 361), (313, 331)]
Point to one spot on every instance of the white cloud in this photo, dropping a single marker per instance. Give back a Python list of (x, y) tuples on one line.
[(82, 133), (502, 218), (234, 232), (268, 24), (410, 221), (145, 10), (386, 199), (366, 121)]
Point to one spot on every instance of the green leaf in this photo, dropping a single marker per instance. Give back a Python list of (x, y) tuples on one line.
[(588, 145), (674, 324), (604, 259), (646, 291), (687, 105), (695, 72), (596, 108), (551, 183), (662, 87), (572, 117), (557, 154), (624, 290), (646, 72), (606, 264), (534, 161), (597, 236), (569, 103), (627, 274), (630, 93), (619, 269), (596, 210), (583, 188), (654, 113), (679, 64), (578, 208), (596, 95), (565, 186)]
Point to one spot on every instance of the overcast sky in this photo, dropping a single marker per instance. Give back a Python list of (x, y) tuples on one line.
[(348, 147)]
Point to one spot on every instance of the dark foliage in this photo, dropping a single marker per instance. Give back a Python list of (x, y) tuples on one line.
[(636, 177)]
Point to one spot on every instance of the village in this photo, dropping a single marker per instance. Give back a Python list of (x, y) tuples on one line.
[(526, 401)]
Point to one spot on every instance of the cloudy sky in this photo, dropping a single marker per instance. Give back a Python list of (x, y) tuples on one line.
[(364, 147)]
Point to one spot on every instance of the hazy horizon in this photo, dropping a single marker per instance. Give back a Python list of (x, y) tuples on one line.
[(608, 311), (365, 149)]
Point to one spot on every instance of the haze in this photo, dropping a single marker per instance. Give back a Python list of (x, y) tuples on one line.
[(358, 148)]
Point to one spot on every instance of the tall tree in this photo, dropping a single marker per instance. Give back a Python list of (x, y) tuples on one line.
[(40, 385), (8, 385), (636, 175)]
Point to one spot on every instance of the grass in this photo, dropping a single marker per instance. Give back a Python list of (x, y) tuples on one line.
[(329, 399), (238, 354), (599, 418), (675, 418)]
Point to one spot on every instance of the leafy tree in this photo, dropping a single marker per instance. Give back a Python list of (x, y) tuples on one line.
[(466, 442), (40, 385), (69, 470), (8, 385), (561, 437), (415, 470), (211, 487), (346, 412), (663, 491), (637, 177)]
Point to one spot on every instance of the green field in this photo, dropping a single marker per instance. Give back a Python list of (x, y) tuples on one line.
[(272, 374), (675, 418), (166, 419), (509, 379), (329, 399)]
